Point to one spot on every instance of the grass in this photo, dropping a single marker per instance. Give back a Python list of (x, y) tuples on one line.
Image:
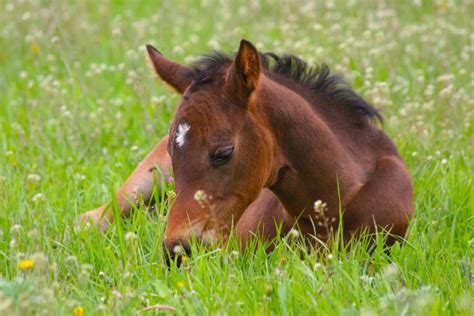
[(79, 108)]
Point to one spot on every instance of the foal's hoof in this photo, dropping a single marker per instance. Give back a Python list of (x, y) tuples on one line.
[(91, 218)]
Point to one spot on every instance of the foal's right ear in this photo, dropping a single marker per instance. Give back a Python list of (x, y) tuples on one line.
[(174, 74), (246, 69)]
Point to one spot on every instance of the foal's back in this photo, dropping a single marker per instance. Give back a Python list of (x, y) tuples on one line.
[(350, 118)]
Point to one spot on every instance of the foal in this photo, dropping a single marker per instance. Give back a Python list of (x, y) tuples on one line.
[(256, 140)]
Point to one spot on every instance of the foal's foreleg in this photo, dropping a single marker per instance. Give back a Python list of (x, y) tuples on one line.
[(138, 187), (264, 219)]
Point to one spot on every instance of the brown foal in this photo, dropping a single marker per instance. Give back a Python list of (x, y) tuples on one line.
[(256, 140)]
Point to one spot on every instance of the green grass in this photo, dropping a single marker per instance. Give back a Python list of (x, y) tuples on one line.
[(79, 108)]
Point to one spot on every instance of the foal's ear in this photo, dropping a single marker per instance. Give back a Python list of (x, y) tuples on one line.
[(174, 74), (246, 68)]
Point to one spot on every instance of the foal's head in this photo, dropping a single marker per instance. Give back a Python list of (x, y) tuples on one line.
[(221, 151)]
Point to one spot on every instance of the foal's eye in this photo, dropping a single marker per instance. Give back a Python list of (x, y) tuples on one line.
[(221, 156)]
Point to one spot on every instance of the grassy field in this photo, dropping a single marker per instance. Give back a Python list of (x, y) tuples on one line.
[(79, 108)]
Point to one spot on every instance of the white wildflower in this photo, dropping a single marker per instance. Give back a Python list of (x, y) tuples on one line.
[(178, 250), (38, 197), (294, 233), (33, 178), (200, 196), (129, 236)]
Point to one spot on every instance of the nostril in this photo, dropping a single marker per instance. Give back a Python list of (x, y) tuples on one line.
[(175, 249)]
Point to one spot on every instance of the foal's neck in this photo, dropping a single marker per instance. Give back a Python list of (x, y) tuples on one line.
[(311, 162)]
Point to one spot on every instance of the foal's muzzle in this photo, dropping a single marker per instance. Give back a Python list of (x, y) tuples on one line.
[(175, 249)]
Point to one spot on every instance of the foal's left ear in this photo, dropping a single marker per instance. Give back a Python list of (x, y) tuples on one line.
[(174, 74), (246, 69)]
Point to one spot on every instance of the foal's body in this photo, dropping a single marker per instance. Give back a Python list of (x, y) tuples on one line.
[(295, 143)]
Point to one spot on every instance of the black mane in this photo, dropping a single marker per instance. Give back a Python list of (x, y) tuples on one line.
[(318, 79)]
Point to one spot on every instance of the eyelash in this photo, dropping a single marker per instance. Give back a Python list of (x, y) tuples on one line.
[(221, 156)]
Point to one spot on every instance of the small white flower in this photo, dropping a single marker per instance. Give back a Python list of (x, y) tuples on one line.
[(38, 197), (189, 59), (33, 178), (129, 236), (117, 293), (116, 32), (33, 234), (178, 50), (26, 16), (391, 271), (157, 100), (200, 196), (367, 279), (294, 233), (319, 206), (65, 112), (279, 272), (15, 228), (213, 44), (178, 250), (72, 260)]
